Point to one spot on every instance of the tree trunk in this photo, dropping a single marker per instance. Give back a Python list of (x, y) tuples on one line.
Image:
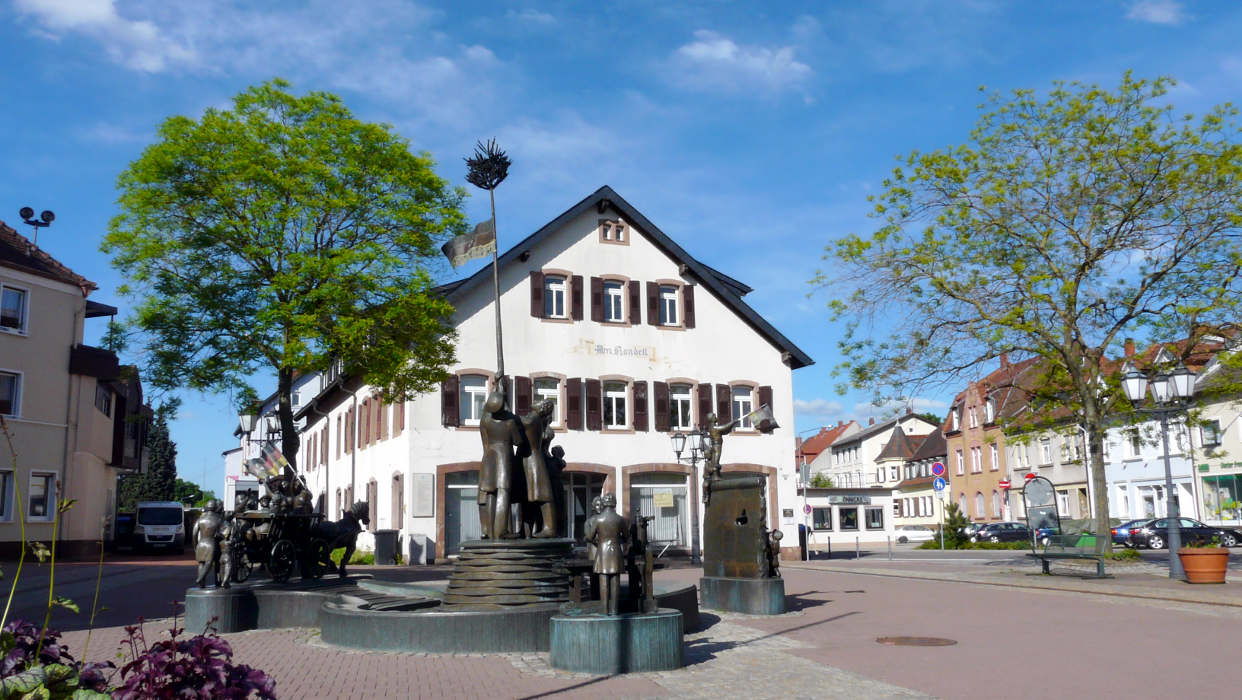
[(284, 411), (1094, 428)]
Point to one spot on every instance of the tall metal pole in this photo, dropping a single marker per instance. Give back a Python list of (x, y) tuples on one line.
[(500, 353), (1172, 511), (695, 558)]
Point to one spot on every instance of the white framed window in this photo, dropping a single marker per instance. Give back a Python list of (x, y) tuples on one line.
[(679, 407), (614, 301), (14, 308), (103, 399), (473, 394), (961, 467), (1063, 502), (1210, 432), (979, 512), (996, 504), (976, 460), (42, 501), (6, 496), (668, 305), (1018, 451), (1136, 442), (955, 416), (554, 297), (10, 393), (549, 389), (995, 458), (989, 411), (1045, 451), (894, 473), (614, 405), (743, 404), (974, 417)]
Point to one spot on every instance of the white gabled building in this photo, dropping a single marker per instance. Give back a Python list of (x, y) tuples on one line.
[(631, 336)]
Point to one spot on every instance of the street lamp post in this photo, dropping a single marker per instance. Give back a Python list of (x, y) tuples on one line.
[(1169, 392), (696, 439)]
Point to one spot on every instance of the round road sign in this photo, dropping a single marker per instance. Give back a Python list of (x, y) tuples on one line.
[(938, 469), (939, 483)]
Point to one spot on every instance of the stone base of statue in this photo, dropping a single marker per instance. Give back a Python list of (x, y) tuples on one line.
[(355, 623), (223, 609), (755, 596), (625, 643), (500, 574)]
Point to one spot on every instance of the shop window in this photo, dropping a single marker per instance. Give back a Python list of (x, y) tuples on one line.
[(821, 518), (875, 518), (849, 518), (663, 497)]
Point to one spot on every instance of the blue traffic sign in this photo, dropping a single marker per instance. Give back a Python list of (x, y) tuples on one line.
[(938, 469), (939, 484)]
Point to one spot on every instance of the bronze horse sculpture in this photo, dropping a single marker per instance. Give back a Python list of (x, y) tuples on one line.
[(343, 533)]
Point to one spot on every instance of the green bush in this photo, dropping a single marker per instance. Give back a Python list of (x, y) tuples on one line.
[(934, 543), (1126, 554), (359, 557)]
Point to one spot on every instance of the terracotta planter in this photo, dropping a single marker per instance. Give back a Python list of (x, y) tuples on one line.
[(1204, 564)]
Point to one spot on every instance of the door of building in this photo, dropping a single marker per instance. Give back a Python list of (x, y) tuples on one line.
[(580, 489), (461, 510)]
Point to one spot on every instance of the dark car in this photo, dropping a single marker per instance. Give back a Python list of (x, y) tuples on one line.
[(1155, 533), (1002, 532), (1121, 533)]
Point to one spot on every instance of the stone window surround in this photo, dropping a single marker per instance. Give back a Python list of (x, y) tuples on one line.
[(627, 313), (681, 304), (603, 224), (489, 382), (695, 418), (628, 472), (754, 404), (629, 404), (566, 276)]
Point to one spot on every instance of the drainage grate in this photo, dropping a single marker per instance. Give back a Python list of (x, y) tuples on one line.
[(916, 641)]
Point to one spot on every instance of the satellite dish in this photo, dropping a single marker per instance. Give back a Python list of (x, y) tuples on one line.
[(26, 212), (47, 216)]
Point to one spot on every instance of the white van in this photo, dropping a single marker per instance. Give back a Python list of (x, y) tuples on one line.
[(160, 524)]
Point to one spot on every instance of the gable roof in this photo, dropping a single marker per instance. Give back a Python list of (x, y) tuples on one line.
[(725, 288), (822, 440), (934, 445), (18, 253), (899, 446)]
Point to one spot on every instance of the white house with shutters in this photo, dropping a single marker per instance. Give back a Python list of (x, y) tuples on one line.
[(631, 337)]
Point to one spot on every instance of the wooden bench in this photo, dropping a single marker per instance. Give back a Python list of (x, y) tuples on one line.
[(1068, 547)]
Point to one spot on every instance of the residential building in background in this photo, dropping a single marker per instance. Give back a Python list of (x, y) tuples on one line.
[(75, 414)]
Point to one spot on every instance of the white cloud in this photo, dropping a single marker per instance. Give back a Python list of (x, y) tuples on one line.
[(1157, 12), (530, 16), (820, 410), (137, 44), (111, 134), (714, 62), (889, 409)]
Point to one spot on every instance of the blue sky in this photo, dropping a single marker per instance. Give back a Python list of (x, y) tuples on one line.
[(751, 133)]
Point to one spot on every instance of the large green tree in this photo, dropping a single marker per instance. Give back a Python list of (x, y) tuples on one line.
[(1069, 221), (159, 481), (279, 235)]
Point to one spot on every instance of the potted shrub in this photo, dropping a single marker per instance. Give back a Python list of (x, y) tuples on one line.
[(1204, 561)]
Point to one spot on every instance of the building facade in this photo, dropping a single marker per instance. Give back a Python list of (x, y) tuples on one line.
[(633, 340), (75, 415)]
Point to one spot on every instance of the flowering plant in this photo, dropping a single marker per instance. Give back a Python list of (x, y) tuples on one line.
[(197, 667)]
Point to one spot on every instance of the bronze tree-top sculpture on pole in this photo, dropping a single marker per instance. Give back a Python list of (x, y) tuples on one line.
[(486, 169)]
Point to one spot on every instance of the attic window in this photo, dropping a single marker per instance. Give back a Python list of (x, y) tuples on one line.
[(613, 231), (989, 411)]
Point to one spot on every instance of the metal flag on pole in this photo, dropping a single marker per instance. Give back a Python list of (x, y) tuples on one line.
[(479, 243), (762, 419)]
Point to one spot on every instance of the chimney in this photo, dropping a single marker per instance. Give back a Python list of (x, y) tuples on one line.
[(1129, 348), (1004, 358)]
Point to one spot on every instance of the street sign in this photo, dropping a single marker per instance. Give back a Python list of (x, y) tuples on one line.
[(1030, 475), (939, 483), (938, 469), (806, 509), (1004, 483)]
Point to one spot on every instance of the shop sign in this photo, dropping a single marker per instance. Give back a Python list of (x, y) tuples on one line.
[(849, 500)]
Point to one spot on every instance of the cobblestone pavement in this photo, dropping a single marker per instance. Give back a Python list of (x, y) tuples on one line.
[(826, 646)]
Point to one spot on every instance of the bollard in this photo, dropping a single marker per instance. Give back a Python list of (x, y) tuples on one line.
[(890, 547), (857, 551)]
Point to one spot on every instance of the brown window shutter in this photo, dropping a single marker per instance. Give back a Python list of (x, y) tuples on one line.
[(703, 393), (381, 419), (653, 304), (594, 405), (597, 299), (450, 413), (640, 406), (636, 296), (724, 403), (687, 305), (575, 297), (398, 424), (765, 396), (339, 433), (536, 294), (522, 398), (573, 404), (660, 391)]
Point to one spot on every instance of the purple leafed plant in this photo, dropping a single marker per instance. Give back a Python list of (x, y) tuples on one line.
[(19, 642), (197, 667)]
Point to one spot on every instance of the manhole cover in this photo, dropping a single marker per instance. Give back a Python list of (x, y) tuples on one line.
[(916, 641)]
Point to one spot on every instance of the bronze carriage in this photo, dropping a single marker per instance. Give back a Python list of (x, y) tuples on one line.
[(279, 542)]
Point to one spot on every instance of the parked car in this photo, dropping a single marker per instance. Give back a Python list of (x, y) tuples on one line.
[(1121, 533), (914, 533), (1046, 535), (1155, 533), (160, 524), (1002, 532), (970, 530)]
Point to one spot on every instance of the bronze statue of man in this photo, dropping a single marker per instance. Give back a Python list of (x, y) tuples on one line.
[(206, 548), (711, 456), (501, 434), (535, 466), (608, 532)]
